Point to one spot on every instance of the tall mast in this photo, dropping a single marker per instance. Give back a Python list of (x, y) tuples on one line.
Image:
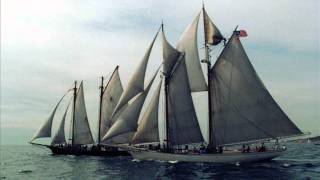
[(74, 108), (166, 89), (212, 142), (100, 110)]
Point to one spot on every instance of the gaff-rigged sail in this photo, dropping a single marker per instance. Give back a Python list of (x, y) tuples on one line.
[(148, 127), (182, 121), (136, 82), (243, 108), (128, 119), (45, 130), (188, 45), (59, 137), (81, 128), (110, 98)]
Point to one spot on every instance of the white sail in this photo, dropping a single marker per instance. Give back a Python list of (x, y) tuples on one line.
[(188, 45), (183, 123), (136, 82), (59, 137), (45, 129), (212, 33), (110, 98), (170, 55), (148, 127), (128, 119), (182, 120), (243, 109), (81, 128)]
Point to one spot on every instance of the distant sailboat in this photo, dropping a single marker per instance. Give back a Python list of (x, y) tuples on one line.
[(241, 110), (79, 132)]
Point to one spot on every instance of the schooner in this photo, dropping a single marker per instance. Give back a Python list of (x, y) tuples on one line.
[(119, 111), (241, 110)]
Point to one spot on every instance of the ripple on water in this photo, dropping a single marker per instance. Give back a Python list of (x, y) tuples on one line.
[(25, 171)]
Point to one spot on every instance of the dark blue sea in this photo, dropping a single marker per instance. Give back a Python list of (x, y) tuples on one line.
[(302, 161)]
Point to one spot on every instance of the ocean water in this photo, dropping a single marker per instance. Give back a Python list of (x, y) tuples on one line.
[(302, 161)]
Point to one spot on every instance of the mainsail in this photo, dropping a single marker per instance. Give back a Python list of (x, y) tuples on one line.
[(110, 98), (148, 127), (128, 119), (182, 120), (59, 137), (188, 45), (136, 82), (243, 109), (81, 128), (45, 130)]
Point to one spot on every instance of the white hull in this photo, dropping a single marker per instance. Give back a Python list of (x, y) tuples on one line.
[(228, 157)]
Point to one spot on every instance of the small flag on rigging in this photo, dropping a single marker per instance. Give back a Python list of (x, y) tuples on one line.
[(241, 33)]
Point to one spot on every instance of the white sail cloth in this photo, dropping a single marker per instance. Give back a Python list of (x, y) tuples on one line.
[(136, 82), (243, 109), (128, 119), (45, 129), (183, 123), (170, 55), (81, 128), (59, 137), (182, 120), (188, 45), (212, 33), (110, 98), (148, 127)]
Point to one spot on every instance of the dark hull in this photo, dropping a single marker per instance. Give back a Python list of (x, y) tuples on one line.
[(91, 152)]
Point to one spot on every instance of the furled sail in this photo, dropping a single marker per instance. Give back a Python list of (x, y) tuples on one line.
[(243, 109), (188, 45), (212, 33), (110, 98), (59, 137), (81, 130), (148, 127), (136, 82), (183, 124), (128, 119), (45, 130)]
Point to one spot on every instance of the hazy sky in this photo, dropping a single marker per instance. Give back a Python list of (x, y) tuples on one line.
[(46, 45)]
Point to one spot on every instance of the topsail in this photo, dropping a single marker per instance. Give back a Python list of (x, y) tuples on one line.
[(243, 108), (188, 45), (212, 33)]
